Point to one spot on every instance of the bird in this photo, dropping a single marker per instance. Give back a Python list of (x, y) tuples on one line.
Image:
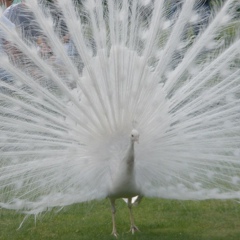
[(123, 178), (119, 99)]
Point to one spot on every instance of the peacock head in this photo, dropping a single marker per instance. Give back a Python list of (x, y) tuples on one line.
[(135, 136)]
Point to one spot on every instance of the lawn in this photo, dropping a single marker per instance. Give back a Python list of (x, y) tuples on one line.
[(156, 218)]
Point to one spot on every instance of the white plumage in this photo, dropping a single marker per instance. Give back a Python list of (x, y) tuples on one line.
[(69, 121)]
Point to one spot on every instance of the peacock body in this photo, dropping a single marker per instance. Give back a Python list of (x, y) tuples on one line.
[(68, 108)]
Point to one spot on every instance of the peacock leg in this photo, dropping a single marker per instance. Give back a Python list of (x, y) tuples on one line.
[(133, 227), (113, 208)]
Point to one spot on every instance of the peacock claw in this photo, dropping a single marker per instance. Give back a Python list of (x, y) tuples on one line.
[(134, 229), (115, 234)]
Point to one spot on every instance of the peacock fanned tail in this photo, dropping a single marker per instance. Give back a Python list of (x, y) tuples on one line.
[(167, 70)]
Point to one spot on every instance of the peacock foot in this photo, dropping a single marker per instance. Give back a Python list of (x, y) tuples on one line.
[(114, 233), (134, 229)]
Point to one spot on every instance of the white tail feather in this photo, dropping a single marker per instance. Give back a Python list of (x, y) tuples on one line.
[(64, 130)]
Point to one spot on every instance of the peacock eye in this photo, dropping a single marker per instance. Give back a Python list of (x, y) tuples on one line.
[(132, 135)]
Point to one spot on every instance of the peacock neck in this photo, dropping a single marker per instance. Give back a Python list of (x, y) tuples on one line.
[(130, 157)]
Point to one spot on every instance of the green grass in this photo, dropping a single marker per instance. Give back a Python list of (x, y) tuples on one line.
[(157, 219)]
